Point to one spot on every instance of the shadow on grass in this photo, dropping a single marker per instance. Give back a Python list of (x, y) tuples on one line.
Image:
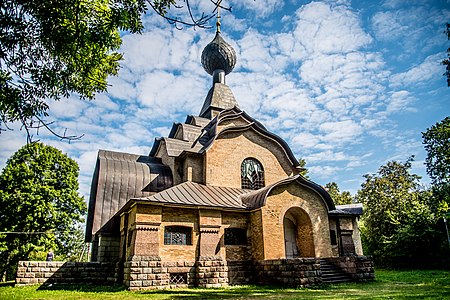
[(242, 292), (87, 288), (7, 283)]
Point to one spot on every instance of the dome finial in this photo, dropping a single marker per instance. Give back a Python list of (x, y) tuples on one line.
[(218, 55), (218, 18)]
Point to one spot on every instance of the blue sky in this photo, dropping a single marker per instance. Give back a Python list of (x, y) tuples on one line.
[(349, 85)]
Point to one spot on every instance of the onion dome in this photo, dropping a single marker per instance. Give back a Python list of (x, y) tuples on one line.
[(218, 55)]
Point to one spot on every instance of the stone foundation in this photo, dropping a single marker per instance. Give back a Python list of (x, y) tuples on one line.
[(148, 272), (212, 272), (240, 272), (360, 268), (295, 272), (45, 272)]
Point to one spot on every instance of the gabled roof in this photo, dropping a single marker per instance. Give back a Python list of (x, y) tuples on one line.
[(210, 132), (256, 199), (195, 194), (117, 178)]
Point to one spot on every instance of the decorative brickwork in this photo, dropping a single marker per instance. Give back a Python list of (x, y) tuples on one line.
[(44, 272), (360, 268), (296, 272)]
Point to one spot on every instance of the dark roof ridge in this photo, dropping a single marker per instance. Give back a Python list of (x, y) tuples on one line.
[(258, 198)]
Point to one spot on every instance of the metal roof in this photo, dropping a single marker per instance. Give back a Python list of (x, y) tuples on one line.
[(219, 97), (355, 209), (195, 194), (256, 199), (119, 177)]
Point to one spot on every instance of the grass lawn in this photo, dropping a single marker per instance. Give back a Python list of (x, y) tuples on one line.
[(388, 285)]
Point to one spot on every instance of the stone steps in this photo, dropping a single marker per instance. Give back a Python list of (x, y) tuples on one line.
[(332, 274)]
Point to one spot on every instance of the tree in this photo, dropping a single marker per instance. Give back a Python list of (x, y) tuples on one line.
[(398, 226), (446, 62), (437, 144), (50, 49), (304, 171), (41, 207), (339, 198)]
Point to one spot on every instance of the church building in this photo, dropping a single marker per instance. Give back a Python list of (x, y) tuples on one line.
[(219, 201)]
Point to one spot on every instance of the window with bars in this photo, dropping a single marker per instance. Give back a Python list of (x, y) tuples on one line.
[(252, 174), (177, 235), (235, 236), (178, 278)]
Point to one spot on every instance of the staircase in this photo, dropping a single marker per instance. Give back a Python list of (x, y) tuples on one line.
[(332, 274)]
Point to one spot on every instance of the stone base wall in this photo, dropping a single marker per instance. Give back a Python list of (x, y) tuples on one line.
[(45, 272), (148, 272), (360, 268), (240, 272), (295, 272), (212, 272)]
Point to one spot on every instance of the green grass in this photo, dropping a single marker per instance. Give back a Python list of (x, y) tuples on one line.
[(388, 285)]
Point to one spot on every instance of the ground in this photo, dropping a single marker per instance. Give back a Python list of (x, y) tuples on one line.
[(429, 284)]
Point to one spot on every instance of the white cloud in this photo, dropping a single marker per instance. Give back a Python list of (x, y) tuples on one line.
[(430, 68), (258, 8), (329, 29)]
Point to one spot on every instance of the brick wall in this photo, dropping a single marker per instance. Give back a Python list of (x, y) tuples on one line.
[(283, 199), (223, 160), (43, 272), (296, 272)]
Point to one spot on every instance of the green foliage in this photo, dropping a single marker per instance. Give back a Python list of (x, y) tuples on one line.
[(399, 227), (40, 202), (437, 144), (389, 284), (304, 171), (51, 49), (446, 62), (338, 198)]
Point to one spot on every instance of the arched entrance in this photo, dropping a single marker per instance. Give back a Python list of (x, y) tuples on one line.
[(298, 234)]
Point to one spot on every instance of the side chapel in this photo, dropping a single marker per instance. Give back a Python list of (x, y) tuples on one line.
[(219, 201)]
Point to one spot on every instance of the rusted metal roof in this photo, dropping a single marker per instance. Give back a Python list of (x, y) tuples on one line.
[(119, 177), (195, 194)]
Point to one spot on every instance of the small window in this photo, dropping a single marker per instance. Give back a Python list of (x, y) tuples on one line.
[(235, 236), (177, 235), (178, 278), (333, 237), (252, 174)]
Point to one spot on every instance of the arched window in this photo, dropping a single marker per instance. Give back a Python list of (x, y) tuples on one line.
[(252, 174)]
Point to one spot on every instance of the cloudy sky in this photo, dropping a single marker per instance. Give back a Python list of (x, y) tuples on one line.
[(350, 85)]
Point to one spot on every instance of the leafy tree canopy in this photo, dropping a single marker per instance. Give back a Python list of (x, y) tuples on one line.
[(339, 198), (304, 171), (399, 228), (41, 207), (446, 62), (437, 144), (52, 48)]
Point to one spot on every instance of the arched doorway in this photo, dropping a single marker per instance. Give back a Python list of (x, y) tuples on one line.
[(298, 234)]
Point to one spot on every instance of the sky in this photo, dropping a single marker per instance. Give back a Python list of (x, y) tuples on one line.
[(350, 85)]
